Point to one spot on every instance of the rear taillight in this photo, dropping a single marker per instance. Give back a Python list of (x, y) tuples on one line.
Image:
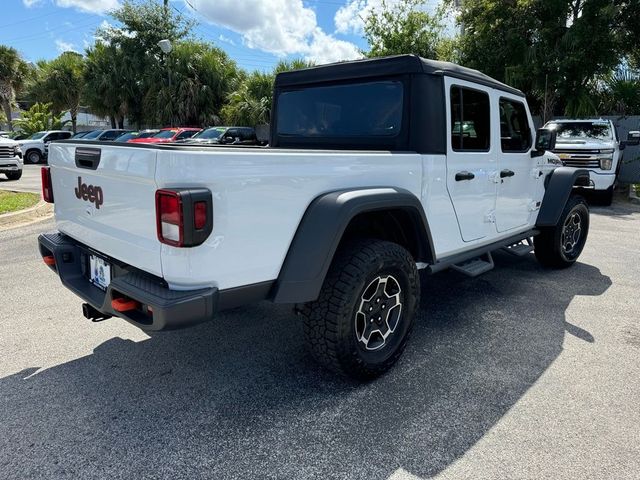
[(47, 186), (169, 217), (184, 216), (200, 215)]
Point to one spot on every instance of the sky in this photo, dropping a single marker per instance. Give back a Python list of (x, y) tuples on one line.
[(255, 33)]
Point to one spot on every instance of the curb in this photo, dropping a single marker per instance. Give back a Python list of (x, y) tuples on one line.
[(41, 211)]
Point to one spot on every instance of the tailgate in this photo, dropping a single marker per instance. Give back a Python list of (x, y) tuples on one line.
[(104, 197)]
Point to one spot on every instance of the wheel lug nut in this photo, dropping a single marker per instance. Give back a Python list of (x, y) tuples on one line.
[(384, 305)]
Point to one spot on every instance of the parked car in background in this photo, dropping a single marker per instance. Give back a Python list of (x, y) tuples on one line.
[(167, 135), (133, 135), (10, 158), (105, 135), (225, 136), (82, 134), (4, 133), (34, 147), (125, 137), (593, 144)]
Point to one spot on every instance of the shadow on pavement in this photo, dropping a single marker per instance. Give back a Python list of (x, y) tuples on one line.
[(239, 398)]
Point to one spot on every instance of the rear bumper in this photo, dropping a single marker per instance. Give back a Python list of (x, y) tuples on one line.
[(159, 307)]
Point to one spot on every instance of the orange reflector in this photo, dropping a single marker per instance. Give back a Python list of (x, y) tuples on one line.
[(49, 260), (124, 304)]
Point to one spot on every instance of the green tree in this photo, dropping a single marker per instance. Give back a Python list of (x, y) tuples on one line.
[(551, 49), (142, 26), (14, 71), (61, 82), (105, 81), (405, 27), (620, 93), (38, 118), (193, 87), (249, 104)]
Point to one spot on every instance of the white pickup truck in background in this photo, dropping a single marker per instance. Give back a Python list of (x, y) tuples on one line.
[(10, 158), (377, 169), (34, 148), (593, 144)]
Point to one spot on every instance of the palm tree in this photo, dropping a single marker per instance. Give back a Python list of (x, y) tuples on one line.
[(106, 79), (201, 77), (250, 102), (39, 117), (13, 73)]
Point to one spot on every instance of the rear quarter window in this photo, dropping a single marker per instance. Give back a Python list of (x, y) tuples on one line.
[(372, 109)]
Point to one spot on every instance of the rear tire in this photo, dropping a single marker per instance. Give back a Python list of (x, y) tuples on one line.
[(14, 175), (33, 156), (360, 324), (560, 246)]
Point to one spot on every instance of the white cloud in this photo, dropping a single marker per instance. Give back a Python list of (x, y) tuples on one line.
[(88, 6), (281, 27), (350, 18), (63, 46), (31, 3), (224, 39)]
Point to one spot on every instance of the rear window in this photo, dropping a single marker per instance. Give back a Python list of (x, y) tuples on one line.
[(210, 133), (165, 134), (582, 130), (111, 134), (94, 134), (372, 109)]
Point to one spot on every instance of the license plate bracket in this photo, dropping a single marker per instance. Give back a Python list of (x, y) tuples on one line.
[(99, 272)]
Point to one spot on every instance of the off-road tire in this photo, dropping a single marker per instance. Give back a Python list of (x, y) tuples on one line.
[(14, 175), (33, 156), (331, 322), (548, 245)]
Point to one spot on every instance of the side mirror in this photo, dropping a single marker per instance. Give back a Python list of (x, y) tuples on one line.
[(633, 138), (545, 141)]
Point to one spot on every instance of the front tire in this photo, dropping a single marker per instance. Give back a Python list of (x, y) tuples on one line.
[(560, 246), (605, 197), (14, 175), (360, 324)]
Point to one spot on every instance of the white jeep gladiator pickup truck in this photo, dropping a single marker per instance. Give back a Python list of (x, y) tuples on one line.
[(593, 144), (377, 169)]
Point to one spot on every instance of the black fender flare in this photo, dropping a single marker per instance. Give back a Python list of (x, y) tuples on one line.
[(320, 232), (558, 187)]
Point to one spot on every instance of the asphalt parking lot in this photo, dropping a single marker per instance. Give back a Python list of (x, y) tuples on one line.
[(29, 182), (519, 373)]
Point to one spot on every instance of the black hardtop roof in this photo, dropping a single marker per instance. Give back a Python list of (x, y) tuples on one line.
[(383, 66)]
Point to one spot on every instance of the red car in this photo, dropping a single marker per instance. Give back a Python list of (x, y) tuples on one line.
[(167, 135)]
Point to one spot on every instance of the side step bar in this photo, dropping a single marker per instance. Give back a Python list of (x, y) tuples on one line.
[(480, 252), (520, 249), (475, 266)]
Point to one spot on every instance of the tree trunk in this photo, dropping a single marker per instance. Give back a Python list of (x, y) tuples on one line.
[(74, 122), (112, 119), (121, 122), (6, 107)]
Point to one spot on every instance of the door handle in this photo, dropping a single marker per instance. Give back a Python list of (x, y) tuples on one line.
[(507, 173), (464, 175)]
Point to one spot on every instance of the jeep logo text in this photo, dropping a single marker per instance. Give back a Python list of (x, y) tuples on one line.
[(89, 193)]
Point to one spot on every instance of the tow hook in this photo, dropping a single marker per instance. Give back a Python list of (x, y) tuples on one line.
[(93, 314)]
